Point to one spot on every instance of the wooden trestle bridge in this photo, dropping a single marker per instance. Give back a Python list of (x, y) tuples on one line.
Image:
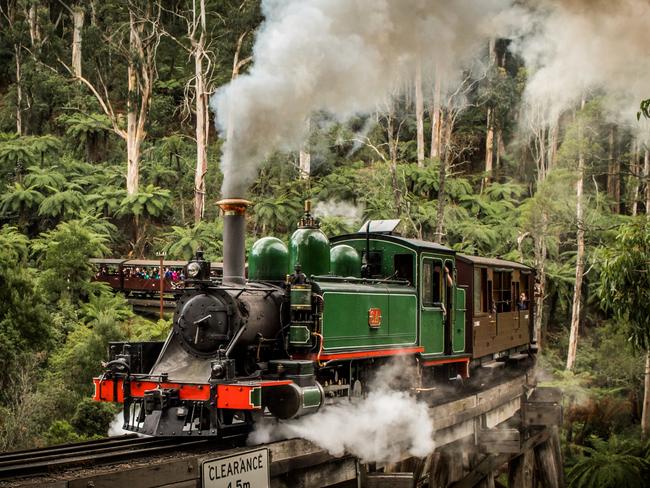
[(510, 429)]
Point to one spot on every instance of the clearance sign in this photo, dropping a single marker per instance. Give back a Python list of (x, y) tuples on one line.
[(246, 470)]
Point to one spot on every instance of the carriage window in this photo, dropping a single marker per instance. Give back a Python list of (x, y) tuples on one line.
[(431, 274), (480, 290), (503, 291), (404, 267)]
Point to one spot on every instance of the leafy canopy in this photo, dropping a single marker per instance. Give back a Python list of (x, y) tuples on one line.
[(625, 279)]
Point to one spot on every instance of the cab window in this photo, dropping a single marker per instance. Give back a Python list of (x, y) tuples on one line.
[(431, 278), (404, 267)]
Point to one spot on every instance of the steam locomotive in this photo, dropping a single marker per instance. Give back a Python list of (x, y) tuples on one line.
[(312, 323)]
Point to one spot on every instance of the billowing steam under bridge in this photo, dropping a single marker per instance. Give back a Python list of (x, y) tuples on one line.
[(509, 428)]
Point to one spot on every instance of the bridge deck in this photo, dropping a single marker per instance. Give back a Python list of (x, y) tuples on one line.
[(474, 420)]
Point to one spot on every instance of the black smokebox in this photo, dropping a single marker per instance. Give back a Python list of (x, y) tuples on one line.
[(234, 239)]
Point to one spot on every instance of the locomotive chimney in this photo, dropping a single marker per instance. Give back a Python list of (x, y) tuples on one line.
[(234, 239)]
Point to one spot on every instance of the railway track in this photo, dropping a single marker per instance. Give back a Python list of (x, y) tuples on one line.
[(34, 462)]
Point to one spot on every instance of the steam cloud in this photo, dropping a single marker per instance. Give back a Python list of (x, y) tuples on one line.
[(575, 47), (341, 56), (381, 427), (336, 208), (350, 56)]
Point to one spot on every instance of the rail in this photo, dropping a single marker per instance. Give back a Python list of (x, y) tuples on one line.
[(48, 460)]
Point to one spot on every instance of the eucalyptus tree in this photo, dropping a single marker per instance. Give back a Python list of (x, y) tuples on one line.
[(141, 20), (579, 151), (624, 288)]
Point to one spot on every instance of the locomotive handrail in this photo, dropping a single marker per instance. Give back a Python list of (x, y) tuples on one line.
[(352, 279)]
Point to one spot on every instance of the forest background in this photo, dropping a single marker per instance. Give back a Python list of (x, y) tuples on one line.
[(108, 148)]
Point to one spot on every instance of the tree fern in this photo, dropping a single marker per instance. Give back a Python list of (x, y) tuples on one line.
[(67, 203), (42, 178), (608, 465), (20, 200)]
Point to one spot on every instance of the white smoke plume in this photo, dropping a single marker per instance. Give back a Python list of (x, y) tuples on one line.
[(343, 57), (115, 429), (381, 427), (574, 48), (337, 208)]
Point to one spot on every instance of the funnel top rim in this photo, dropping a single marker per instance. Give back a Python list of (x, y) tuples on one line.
[(234, 201)]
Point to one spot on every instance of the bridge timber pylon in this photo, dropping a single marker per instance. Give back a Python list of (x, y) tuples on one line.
[(509, 429)]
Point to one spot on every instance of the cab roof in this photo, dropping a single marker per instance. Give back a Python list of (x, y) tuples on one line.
[(492, 262), (415, 244)]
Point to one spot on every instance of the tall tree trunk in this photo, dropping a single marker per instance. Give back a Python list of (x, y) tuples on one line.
[(77, 27), (202, 119), (634, 180), (436, 118), (489, 135), (646, 176), (489, 148), (645, 415), (19, 90), (141, 73), (34, 28), (501, 151), (442, 187), (419, 113), (304, 157), (392, 149), (540, 267), (613, 173), (202, 127), (552, 144), (93, 12), (305, 163), (132, 140), (580, 256)]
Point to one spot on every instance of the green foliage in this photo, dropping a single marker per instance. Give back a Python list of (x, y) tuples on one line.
[(149, 201), (185, 241), (61, 432), (334, 226), (106, 305), (79, 359), (145, 330), (23, 329), (63, 255), (610, 464), (86, 131), (624, 286), (62, 204), (20, 200), (13, 247), (48, 179), (92, 419)]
